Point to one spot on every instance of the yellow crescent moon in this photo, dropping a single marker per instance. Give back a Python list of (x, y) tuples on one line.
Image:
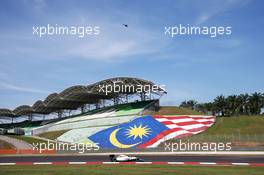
[(116, 143)]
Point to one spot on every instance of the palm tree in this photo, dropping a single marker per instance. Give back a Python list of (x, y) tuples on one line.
[(231, 104), (244, 104), (220, 105), (189, 104), (255, 102), (205, 108), (262, 99)]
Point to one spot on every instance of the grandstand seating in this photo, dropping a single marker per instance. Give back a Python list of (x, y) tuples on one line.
[(22, 124), (108, 116), (79, 135)]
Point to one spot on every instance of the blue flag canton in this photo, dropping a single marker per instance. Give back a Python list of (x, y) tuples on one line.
[(129, 135)]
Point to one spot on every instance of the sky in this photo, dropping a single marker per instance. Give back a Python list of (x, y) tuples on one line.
[(191, 67)]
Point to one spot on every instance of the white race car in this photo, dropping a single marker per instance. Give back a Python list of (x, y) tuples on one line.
[(124, 158)]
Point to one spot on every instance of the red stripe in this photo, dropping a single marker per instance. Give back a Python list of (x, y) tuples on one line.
[(125, 163), (159, 136), (158, 163), (182, 117), (191, 163), (24, 163), (171, 117), (199, 118), (256, 164), (198, 129), (167, 132), (163, 134), (180, 123), (8, 151), (186, 123)]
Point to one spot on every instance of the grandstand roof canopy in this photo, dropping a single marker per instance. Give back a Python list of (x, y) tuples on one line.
[(76, 96)]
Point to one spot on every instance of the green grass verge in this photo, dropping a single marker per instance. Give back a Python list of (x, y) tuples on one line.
[(27, 139), (173, 110), (244, 125), (52, 135), (129, 170), (234, 129)]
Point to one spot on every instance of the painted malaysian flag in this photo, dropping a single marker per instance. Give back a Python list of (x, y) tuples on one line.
[(150, 131)]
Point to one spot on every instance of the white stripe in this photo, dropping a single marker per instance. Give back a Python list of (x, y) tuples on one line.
[(185, 120), (179, 153), (42, 163), (207, 163), (187, 127), (7, 163), (172, 126), (176, 163), (205, 120), (77, 163), (240, 163), (143, 162), (175, 120), (110, 162), (167, 137)]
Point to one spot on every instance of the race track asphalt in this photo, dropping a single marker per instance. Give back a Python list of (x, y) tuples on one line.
[(148, 158)]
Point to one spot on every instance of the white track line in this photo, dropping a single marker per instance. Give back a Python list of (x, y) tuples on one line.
[(110, 162), (77, 163), (207, 163), (181, 153), (7, 163), (143, 162), (161, 163), (42, 163), (244, 164), (175, 163)]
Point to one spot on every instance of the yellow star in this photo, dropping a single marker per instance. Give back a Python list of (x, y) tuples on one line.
[(138, 131)]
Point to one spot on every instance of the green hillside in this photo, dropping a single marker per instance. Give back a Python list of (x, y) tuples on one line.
[(245, 131), (173, 110), (53, 134)]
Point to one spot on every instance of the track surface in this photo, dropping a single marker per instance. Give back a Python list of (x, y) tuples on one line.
[(151, 158)]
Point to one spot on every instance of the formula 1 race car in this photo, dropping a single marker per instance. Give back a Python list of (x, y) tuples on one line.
[(124, 158)]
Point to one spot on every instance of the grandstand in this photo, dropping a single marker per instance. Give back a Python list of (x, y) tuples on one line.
[(84, 107), (90, 115)]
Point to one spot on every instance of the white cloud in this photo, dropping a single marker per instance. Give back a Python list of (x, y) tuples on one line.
[(4, 76), (113, 47), (115, 42), (36, 5), (214, 8), (8, 86)]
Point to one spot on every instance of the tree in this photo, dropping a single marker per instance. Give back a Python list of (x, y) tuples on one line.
[(205, 107), (233, 105), (189, 104), (243, 100), (255, 103), (220, 105)]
